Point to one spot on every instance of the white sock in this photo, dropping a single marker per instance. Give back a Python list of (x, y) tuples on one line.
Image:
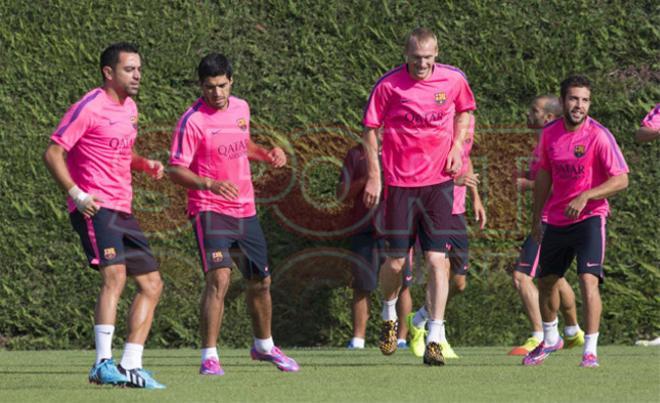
[(590, 343), (132, 357), (399, 341), (357, 342), (389, 310), (570, 331), (538, 335), (103, 341), (421, 316), (264, 345), (550, 332), (211, 352), (436, 331)]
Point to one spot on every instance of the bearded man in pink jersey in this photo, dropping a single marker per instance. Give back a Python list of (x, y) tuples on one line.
[(91, 157), (210, 154), (544, 109), (582, 163), (424, 109)]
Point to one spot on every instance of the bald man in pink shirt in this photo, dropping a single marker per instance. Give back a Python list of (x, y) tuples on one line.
[(424, 110), (582, 163), (91, 157)]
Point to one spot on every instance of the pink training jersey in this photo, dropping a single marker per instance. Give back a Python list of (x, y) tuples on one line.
[(98, 134), (460, 191), (652, 120), (213, 144), (418, 121), (578, 161)]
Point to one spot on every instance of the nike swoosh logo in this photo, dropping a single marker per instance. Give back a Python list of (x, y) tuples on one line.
[(105, 332), (589, 264), (112, 122), (214, 132), (404, 100), (408, 278), (524, 264)]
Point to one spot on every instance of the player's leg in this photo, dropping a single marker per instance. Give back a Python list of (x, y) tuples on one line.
[(213, 233), (557, 253), (367, 249), (390, 285), (591, 255), (103, 248), (403, 309), (257, 273), (437, 292), (573, 335)]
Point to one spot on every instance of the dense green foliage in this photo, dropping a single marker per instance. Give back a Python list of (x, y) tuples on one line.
[(332, 375), (307, 67)]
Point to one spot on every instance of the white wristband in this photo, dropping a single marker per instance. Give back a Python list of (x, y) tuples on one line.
[(79, 197)]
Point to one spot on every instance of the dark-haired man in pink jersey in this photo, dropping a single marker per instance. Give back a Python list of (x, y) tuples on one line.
[(424, 110), (210, 154), (582, 163), (91, 157)]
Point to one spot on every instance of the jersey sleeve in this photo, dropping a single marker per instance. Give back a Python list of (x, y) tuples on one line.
[(609, 154), (652, 120), (374, 112), (75, 123), (464, 100), (185, 141)]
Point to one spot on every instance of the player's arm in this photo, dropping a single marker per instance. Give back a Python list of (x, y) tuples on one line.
[(461, 124), (153, 168), (610, 187), (542, 186), (349, 189), (479, 210), (276, 156), (185, 177), (373, 186), (55, 160), (645, 134)]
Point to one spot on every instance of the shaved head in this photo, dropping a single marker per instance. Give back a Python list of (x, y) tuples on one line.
[(420, 36)]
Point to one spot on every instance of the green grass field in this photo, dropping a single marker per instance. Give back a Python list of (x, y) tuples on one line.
[(481, 374)]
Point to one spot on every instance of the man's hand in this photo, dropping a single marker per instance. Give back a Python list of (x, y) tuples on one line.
[(87, 204), (480, 214), (277, 157), (372, 192), (155, 169), (469, 180), (576, 206), (225, 189), (524, 184), (454, 163)]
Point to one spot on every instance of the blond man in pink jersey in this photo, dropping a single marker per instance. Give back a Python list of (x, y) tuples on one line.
[(582, 163), (544, 109), (91, 157), (650, 128), (424, 110), (211, 149)]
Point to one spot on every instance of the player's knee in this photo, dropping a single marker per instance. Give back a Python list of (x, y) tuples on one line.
[(518, 280), (395, 264), (259, 286), (459, 284), (153, 286)]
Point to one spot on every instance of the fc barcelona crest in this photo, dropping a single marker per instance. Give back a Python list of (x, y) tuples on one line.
[(109, 253), (578, 151), (242, 124), (216, 256), (440, 98)]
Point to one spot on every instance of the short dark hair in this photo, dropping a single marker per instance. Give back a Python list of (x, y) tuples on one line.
[(576, 80), (110, 56), (214, 65)]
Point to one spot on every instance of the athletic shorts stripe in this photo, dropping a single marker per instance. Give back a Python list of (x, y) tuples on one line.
[(92, 239)]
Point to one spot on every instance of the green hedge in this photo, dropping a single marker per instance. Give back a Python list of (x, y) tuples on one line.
[(307, 68)]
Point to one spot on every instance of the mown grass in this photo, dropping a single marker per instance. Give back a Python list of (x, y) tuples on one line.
[(481, 374)]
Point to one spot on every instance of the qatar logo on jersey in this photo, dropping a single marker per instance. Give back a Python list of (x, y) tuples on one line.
[(578, 151), (242, 124), (440, 97)]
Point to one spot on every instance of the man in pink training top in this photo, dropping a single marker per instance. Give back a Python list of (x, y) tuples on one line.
[(91, 157), (650, 128), (424, 109), (210, 154), (544, 109), (458, 248), (582, 163)]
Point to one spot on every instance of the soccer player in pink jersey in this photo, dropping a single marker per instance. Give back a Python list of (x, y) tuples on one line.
[(424, 109), (458, 247), (91, 157), (210, 154), (544, 109), (582, 163), (650, 128)]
